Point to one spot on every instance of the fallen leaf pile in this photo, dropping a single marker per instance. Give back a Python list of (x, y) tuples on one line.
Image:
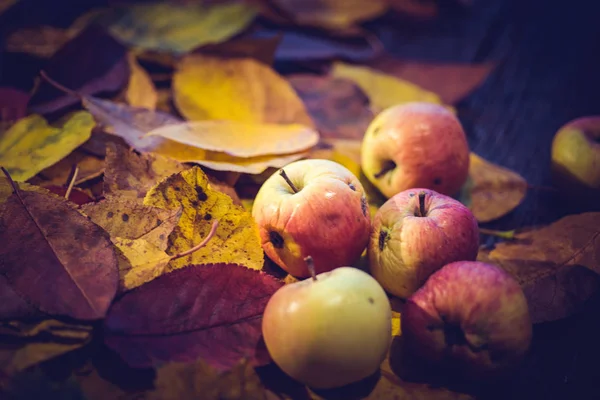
[(130, 168)]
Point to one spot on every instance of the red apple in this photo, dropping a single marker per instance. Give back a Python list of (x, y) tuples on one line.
[(471, 317), (415, 145), (415, 233), (331, 330), (312, 207)]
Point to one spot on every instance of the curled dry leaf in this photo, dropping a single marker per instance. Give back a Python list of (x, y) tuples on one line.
[(32, 145), (241, 139), (331, 14), (556, 265), (47, 240), (239, 89), (339, 107), (198, 379), (491, 191), (177, 28), (140, 91), (90, 167), (236, 239), (384, 90), (213, 312)]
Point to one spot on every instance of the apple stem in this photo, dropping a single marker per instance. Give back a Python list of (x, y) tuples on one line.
[(422, 204), (311, 267), (288, 180), (213, 229)]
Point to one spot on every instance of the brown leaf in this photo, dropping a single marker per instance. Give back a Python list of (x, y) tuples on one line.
[(491, 191), (91, 63), (42, 41), (126, 218), (556, 265), (90, 167), (339, 107), (422, 9), (199, 380), (28, 344), (47, 240), (12, 305), (210, 311), (261, 49), (13, 105), (140, 91), (452, 82)]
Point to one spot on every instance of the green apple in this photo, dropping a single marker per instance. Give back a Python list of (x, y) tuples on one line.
[(415, 145), (576, 160), (331, 330)]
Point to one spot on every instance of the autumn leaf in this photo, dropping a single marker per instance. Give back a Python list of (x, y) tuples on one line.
[(384, 90), (211, 312), (176, 28), (89, 167), (239, 89), (236, 239), (13, 106), (339, 107), (47, 240), (556, 265), (140, 91), (491, 191), (93, 62), (262, 49), (198, 379), (32, 145), (125, 218), (33, 343), (331, 14), (241, 139), (12, 304)]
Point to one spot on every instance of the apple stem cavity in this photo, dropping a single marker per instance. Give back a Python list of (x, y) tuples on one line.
[(311, 267), (288, 180), (387, 167), (421, 212), (197, 247)]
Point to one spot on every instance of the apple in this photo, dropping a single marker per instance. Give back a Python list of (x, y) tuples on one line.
[(312, 207), (416, 232), (415, 145), (471, 317), (331, 330), (576, 160)]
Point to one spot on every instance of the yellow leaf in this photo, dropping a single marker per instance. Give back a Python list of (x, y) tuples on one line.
[(237, 89), (176, 28), (32, 145), (236, 239), (396, 331), (384, 90), (140, 90), (241, 139), (253, 165), (139, 262)]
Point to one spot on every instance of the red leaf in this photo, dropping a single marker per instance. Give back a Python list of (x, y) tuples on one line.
[(54, 258), (213, 312)]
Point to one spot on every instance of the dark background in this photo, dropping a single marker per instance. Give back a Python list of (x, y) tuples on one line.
[(548, 72)]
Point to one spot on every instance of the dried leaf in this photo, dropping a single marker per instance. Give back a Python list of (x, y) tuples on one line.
[(384, 90), (43, 341), (139, 262), (46, 240), (90, 167), (339, 108), (331, 14), (13, 106), (491, 191), (212, 312), (236, 239), (91, 63), (242, 90), (422, 9), (241, 139), (176, 381), (140, 91), (12, 305), (7, 4), (260, 48), (31, 144), (40, 41), (125, 218), (252, 165), (557, 265), (176, 28)]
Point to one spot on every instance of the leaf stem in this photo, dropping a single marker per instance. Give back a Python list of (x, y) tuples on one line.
[(288, 180), (74, 173), (510, 235), (213, 229), (57, 85), (10, 180), (311, 267)]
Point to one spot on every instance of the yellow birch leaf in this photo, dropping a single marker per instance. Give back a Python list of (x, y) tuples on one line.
[(384, 90), (139, 262), (236, 239), (140, 91), (237, 89), (32, 145), (241, 139)]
